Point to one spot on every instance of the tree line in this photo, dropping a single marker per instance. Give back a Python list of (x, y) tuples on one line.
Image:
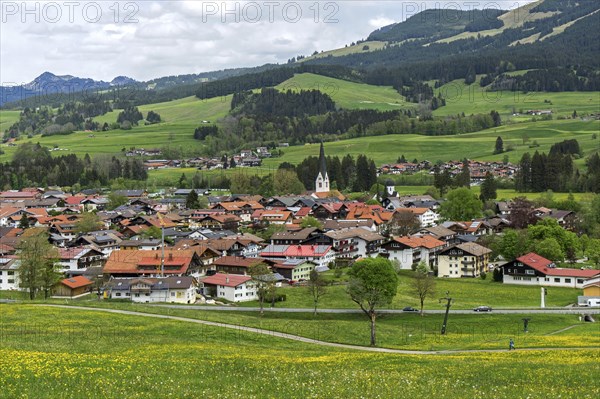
[(271, 101), (348, 173), (68, 118), (32, 165)]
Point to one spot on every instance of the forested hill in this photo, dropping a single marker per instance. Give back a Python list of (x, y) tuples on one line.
[(552, 33), (439, 23)]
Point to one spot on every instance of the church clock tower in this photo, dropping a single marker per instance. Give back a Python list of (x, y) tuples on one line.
[(322, 181)]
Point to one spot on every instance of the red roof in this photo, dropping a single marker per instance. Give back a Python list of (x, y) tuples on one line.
[(425, 241), (18, 194), (76, 282), (304, 211), (542, 265), (227, 280), (74, 200)]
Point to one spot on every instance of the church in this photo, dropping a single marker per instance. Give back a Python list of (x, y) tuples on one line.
[(322, 184), (322, 181)]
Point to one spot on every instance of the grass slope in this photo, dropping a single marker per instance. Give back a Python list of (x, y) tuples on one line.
[(180, 118), (7, 118), (474, 99), (480, 145), (357, 48), (349, 95), (59, 353)]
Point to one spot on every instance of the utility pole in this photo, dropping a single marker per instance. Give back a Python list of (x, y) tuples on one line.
[(162, 246), (448, 304)]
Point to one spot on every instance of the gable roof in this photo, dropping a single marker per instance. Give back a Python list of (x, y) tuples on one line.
[(359, 232), (148, 262), (76, 282), (227, 280), (546, 266), (425, 241), (470, 248)]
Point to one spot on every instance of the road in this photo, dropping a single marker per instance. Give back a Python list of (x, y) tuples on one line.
[(390, 311), (277, 334)]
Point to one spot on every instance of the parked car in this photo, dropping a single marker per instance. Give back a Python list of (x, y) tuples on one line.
[(482, 309), (409, 309)]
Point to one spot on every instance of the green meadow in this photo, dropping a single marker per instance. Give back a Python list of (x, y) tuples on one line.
[(349, 95), (503, 193), (357, 48), (474, 99), (7, 118), (478, 146), (68, 353)]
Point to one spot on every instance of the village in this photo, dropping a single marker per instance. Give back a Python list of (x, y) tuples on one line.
[(159, 250)]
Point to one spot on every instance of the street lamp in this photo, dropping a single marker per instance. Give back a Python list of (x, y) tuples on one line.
[(525, 324)]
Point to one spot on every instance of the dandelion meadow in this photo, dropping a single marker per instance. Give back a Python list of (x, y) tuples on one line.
[(68, 353)]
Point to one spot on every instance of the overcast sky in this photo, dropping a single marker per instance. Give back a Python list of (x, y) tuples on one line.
[(150, 39)]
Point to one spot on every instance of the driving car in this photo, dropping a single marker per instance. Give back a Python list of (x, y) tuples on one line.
[(409, 309), (482, 309)]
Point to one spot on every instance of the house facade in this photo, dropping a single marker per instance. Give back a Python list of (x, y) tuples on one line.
[(533, 269), (232, 287), (173, 289), (411, 250), (463, 260)]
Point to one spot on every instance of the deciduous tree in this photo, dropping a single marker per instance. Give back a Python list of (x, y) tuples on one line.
[(461, 205), (373, 283), (316, 288), (262, 281), (422, 284)]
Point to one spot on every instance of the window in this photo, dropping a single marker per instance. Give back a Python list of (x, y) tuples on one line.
[(11, 273), (579, 281), (137, 295), (172, 293), (118, 294), (557, 280), (567, 280), (529, 272)]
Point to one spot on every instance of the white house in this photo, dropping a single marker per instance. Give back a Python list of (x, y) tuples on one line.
[(355, 242), (232, 287), (533, 269), (175, 289), (426, 216), (79, 258), (463, 260), (321, 255), (9, 274), (8, 215), (410, 250)]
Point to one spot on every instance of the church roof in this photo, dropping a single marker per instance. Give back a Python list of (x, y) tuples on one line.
[(322, 162)]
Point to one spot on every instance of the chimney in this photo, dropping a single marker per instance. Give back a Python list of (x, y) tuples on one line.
[(170, 255), (227, 280)]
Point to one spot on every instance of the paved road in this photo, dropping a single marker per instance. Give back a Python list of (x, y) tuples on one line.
[(296, 337), (391, 311)]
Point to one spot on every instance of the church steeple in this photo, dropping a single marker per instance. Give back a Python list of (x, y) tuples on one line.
[(322, 181)]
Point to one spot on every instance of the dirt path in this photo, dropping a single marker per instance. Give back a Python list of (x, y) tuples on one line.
[(563, 329), (296, 337)]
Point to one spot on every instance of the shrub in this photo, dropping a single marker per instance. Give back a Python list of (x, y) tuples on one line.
[(483, 275), (497, 275)]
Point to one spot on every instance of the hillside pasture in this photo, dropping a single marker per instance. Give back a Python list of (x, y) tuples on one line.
[(349, 95), (474, 99), (477, 146)]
